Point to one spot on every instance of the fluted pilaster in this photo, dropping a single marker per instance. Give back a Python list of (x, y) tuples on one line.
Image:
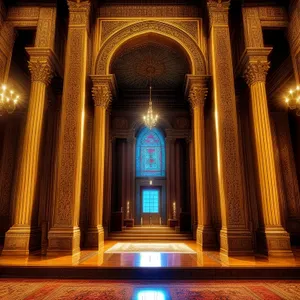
[(197, 88), (272, 238), (102, 95), (24, 235)]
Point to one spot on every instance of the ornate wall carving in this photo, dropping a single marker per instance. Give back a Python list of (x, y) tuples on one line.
[(148, 11), (45, 35), (109, 47), (252, 27)]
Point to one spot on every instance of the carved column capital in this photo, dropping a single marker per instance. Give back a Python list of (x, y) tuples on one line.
[(43, 64), (102, 95), (196, 90), (256, 72), (40, 71), (197, 95), (104, 89), (218, 12), (79, 12)]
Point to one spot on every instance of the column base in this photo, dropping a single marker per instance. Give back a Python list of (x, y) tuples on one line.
[(236, 243), (95, 237), (274, 242), (21, 240), (64, 241), (206, 238)]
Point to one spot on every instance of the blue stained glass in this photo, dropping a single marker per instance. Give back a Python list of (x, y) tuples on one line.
[(150, 154)]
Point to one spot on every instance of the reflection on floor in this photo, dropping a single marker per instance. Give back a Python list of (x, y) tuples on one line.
[(90, 258), (20, 289)]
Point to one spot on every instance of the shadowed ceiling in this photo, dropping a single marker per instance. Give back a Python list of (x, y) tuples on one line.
[(150, 60)]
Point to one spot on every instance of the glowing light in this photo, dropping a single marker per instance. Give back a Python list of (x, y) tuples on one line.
[(8, 100), (150, 120), (150, 295), (293, 100), (150, 259)]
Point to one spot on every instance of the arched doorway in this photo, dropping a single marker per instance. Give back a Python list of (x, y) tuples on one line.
[(163, 55)]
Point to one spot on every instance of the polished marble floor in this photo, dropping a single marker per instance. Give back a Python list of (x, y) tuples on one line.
[(93, 258)]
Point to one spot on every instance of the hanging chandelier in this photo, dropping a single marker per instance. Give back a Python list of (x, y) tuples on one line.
[(8, 100), (150, 119), (293, 100)]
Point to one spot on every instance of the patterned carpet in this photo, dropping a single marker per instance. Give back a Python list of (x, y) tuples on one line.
[(14, 289), (153, 247)]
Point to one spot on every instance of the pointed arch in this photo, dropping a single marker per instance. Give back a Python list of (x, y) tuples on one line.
[(150, 153)]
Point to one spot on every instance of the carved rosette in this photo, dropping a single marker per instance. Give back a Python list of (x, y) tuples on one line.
[(102, 95), (256, 72), (79, 12), (41, 71), (218, 12), (197, 96)]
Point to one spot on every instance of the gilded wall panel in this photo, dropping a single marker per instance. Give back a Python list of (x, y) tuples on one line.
[(140, 11), (23, 13), (45, 35)]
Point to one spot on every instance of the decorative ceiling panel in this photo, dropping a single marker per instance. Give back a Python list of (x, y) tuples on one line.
[(164, 66)]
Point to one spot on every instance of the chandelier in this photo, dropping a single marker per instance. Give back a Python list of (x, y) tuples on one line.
[(150, 119), (293, 100), (8, 100)]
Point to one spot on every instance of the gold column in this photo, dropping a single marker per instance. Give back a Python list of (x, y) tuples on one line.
[(273, 239), (102, 94), (64, 235), (196, 91), (235, 236), (24, 235), (289, 173)]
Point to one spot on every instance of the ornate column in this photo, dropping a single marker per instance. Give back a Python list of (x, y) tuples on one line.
[(294, 36), (272, 237), (235, 236), (103, 87), (288, 172), (24, 235), (196, 91), (64, 235)]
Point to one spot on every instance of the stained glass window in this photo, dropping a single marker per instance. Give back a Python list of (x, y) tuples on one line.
[(150, 154)]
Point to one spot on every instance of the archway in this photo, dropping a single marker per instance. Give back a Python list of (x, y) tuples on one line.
[(141, 54)]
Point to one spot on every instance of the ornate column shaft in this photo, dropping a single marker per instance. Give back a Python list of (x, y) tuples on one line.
[(102, 94), (272, 238), (196, 92), (64, 235), (24, 236), (235, 236), (129, 176), (289, 173)]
